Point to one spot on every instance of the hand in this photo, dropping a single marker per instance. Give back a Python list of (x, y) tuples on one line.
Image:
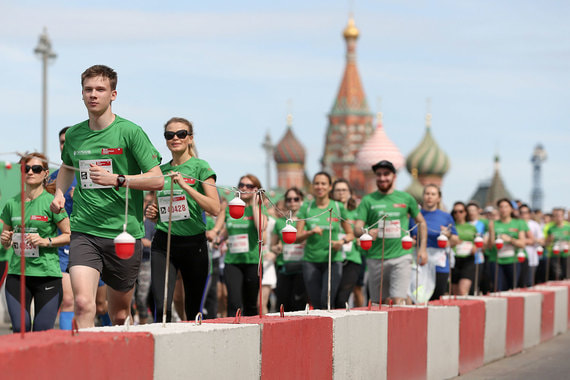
[(36, 240), (337, 245), (151, 211), (269, 256), (178, 179), (317, 230), (57, 204), (422, 256), (6, 238), (277, 248), (211, 235), (101, 176), (446, 231), (374, 233)]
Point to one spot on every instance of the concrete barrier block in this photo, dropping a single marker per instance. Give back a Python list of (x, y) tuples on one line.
[(560, 307), (55, 354), (360, 342), (495, 327), (207, 351), (442, 342), (532, 320), (547, 312), (565, 283), (471, 332)]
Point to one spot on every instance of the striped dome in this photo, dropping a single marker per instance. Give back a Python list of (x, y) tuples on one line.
[(415, 189), (289, 149), (428, 157), (378, 147)]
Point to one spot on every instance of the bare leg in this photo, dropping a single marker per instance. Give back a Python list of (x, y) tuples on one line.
[(358, 297), (84, 282), (67, 302), (464, 286), (178, 297), (119, 305), (101, 300)]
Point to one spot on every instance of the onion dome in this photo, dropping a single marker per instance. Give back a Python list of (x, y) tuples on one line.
[(378, 147), (415, 189), (428, 158), (289, 150), (351, 31)]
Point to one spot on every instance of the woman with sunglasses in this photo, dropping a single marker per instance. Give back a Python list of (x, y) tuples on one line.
[(194, 192), (242, 257), (464, 272), (43, 274), (313, 227), (352, 261), (290, 290)]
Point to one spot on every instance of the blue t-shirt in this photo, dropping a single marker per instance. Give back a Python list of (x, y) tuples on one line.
[(68, 206), (436, 219)]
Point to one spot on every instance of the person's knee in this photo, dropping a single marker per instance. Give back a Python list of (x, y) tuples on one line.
[(84, 304)]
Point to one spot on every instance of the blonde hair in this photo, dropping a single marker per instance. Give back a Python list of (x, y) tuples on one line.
[(191, 147)]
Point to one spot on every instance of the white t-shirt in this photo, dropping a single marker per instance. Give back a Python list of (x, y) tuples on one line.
[(534, 227)]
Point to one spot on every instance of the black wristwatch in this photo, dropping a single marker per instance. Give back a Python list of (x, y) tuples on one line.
[(120, 181)]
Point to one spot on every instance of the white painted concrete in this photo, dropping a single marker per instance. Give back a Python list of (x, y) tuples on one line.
[(560, 307), (532, 315), (442, 342)]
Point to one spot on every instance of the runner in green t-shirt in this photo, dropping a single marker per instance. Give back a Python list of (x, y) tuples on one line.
[(290, 289), (5, 255), (559, 235), (106, 151), (352, 267), (396, 206), (42, 271), (242, 257), (512, 232), (463, 274), (313, 227), (194, 191)]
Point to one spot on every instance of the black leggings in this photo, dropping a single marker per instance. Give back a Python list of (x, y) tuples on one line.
[(47, 293), (290, 291), (3, 271), (350, 273), (242, 282), (189, 254)]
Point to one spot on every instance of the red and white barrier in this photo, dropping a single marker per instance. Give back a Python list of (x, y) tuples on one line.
[(560, 306), (442, 342)]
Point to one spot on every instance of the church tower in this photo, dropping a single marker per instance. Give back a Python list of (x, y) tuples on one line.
[(350, 120), (289, 156)]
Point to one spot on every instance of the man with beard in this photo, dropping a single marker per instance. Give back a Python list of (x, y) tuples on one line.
[(397, 207)]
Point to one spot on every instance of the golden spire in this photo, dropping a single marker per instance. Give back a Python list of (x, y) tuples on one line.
[(351, 31)]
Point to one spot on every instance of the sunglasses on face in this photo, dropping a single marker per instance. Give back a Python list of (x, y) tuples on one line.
[(181, 134), (295, 199), (35, 168), (246, 185)]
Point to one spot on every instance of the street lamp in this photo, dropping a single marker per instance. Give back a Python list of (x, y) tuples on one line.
[(44, 52)]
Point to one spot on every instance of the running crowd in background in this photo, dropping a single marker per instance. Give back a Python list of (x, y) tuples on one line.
[(384, 247)]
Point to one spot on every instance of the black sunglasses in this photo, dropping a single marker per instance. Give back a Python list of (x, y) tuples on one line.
[(296, 199), (246, 185), (181, 134), (35, 168)]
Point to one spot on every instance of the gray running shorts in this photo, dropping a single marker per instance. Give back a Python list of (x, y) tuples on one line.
[(396, 280)]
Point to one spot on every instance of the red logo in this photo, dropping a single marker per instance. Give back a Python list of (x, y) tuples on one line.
[(191, 181), (333, 219), (103, 163), (178, 198), (248, 218), (107, 151), (41, 218), (399, 205)]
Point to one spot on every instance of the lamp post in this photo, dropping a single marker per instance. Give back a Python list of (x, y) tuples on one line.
[(268, 147), (45, 53)]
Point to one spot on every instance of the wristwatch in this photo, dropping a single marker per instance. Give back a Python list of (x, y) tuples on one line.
[(120, 181), (50, 243)]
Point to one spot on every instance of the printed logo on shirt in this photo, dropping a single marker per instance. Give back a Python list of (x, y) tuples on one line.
[(178, 198), (81, 152), (113, 151), (399, 205), (190, 181), (247, 218), (513, 229), (103, 163), (41, 218), (378, 206), (333, 219)]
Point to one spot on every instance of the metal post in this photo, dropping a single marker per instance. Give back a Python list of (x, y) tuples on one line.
[(45, 53)]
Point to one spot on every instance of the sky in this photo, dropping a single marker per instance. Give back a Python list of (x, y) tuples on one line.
[(497, 74)]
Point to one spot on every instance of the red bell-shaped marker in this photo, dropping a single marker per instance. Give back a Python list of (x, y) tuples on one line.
[(407, 242), (556, 249), (521, 257), (8, 165), (365, 241), (478, 242), (499, 243), (565, 248), (442, 241), (237, 208), (289, 234), (124, 245), (539, 250)]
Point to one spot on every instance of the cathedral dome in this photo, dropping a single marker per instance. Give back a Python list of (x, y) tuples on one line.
[(428, 158), (378, 147), (289, 149)]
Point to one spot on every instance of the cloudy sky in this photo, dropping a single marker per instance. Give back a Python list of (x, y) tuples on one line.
[(497, 73)]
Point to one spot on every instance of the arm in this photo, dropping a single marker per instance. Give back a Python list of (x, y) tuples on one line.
[(529, 238), (348, 238), (422, 233), (63, 181), (6, 236), (58, 241), (209, 201), (151, 180), (303, 235), (218, 226), (255, 212)]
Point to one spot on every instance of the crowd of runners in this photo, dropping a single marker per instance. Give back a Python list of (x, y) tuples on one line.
[(194, 256)]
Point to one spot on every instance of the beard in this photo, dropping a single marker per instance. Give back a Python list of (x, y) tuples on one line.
[(384, 186)]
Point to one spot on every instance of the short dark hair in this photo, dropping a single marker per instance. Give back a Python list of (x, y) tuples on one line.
[(63, 130), (101, 71), (325, 174)]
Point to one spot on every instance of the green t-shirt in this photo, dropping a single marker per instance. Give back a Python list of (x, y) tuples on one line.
[(242, 239), (187, 215), (351, 250), (397, 205), (317, 246), (124, 148), (291, 253), (561, 235), (466, 233), (5, 254), (507, 254), (40, 220)]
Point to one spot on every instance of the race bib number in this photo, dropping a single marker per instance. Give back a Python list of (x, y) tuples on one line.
[(464, 249), (392, 229), (293, 252), (437, 256), (29, 250), (84, 166), (179, 208), (507, 251), (238, 243)]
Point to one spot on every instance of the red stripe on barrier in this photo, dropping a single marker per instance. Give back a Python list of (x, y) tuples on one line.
[(293, 347), (55, 354), (547, 314), (471, 332), (515, 325), (566, 284)]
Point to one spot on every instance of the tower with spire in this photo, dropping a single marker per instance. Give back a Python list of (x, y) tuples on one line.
[(538, 157), (289, 156), (350, 120), (428, 159)]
